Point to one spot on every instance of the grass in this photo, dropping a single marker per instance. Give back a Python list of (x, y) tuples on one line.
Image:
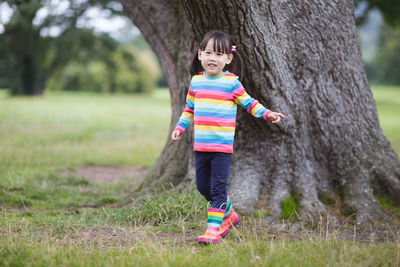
[(388, 104), (153, 234), (288, 206), (45, 220), (387, 204), (247, 253), (42, 136)]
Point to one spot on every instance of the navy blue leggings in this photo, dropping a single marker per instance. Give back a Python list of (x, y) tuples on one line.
[(212, 174)]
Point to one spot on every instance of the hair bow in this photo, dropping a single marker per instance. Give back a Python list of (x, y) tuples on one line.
[(233, 48)]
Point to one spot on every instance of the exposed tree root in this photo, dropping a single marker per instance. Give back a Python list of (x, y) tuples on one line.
[(245, 184), (359, 199), (388, 184), (280, 191)]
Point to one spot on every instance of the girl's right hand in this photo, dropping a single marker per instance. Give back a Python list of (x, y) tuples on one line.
[(176, 135)]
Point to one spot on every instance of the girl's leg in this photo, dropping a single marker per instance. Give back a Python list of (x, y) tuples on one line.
[(218, 180), (220, 166), (214, 216), (203, 173)]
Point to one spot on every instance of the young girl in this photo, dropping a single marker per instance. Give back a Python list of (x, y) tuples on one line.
[(211, 102)]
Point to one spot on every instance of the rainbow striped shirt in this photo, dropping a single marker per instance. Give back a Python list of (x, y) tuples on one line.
[(211, 103)]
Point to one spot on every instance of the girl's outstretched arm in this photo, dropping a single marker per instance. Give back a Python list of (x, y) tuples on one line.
[(253, 106)]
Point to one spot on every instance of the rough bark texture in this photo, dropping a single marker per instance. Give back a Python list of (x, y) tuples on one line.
[(165, 27), (301, 58)]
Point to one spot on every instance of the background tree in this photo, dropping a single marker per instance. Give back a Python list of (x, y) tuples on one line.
[(301, 58), (33, 56), (388, 56), (108, 66), (379, 41), (389, 8)]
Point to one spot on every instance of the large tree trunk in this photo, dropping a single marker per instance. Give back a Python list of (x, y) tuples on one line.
[(301, 58), (166, 28)]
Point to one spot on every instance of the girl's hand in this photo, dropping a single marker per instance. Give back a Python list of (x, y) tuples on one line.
[(176, 135), (275, 117)]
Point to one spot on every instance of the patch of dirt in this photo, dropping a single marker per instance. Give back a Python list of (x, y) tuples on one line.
[(108, 236), (122, 236), (345, 230), (108, 174), (373, 234)]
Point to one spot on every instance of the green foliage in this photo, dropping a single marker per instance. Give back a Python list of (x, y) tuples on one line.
[(32, 56), (388, 56), (104, 69), (380, 41), (389, 8), (289, 206), (123, 70)]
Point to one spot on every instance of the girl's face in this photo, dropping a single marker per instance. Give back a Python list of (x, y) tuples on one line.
[(213, 62)]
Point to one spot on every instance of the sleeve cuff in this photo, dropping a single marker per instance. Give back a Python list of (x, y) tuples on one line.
[(265, 116), (180, 128)]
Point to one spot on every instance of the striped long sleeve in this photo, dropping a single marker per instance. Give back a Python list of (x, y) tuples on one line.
[(187, 115), (252, 106), (211, 104)]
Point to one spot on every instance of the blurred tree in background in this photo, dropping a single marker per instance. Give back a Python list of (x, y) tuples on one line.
[(379, 30), (388, 56), (46, 44), (389, 8), (109, 67)]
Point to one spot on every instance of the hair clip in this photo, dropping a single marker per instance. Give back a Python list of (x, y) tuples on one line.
[(233, 48)]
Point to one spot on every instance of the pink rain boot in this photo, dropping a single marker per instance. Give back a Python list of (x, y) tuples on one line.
[(214, 220), (231, 218)]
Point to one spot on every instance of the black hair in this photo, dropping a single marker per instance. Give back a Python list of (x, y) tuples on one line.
[(222, 44)]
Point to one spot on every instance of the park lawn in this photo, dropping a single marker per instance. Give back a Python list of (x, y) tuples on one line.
[(388, 104), (39, 137), (44, 219)]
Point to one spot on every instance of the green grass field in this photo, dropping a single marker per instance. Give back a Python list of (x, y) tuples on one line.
[(388, 103), (45, 219)]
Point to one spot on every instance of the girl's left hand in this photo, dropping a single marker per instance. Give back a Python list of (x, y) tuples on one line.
[(275, 117)]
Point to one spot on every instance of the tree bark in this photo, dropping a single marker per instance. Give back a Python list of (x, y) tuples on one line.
[(301, 58), (165, 27)]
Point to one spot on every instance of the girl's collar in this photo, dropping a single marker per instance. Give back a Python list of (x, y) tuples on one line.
[(213, 78)]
